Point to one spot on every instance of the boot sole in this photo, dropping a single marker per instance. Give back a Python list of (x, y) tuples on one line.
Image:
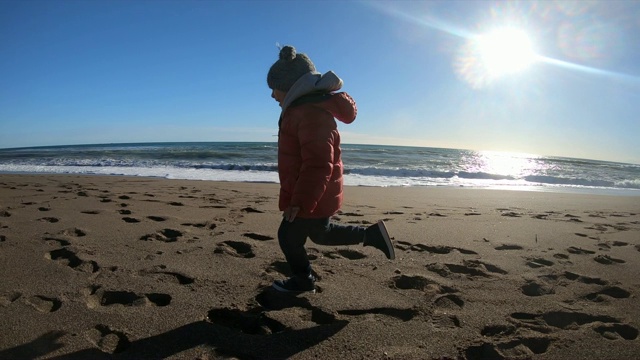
[(387, 239), (283, 290)]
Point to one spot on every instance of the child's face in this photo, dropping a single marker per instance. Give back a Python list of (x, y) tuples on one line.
[(278, 96)]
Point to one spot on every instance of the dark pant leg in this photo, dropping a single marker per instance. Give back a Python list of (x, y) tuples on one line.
[(324, 232), (292, 237)]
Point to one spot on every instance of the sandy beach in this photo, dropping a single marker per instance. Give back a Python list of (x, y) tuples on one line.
[(101, 267)]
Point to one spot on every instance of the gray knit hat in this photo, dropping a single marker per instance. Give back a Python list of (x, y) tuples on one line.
[(288, 69)]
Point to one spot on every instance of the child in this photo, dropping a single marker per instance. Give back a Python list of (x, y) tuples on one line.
[(310, 166)]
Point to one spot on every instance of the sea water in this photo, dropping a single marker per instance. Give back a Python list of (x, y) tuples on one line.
[(364, 165)]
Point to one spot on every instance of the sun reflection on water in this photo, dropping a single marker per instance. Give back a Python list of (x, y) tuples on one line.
[(506, 164)]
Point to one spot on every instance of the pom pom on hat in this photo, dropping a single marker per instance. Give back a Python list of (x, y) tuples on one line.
[(288, 69)]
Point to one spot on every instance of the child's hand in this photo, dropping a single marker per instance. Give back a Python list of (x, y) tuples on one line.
[(290, 213)]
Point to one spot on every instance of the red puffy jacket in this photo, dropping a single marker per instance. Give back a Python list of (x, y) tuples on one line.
[(309, 155)]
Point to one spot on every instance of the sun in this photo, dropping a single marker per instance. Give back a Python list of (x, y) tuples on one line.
[(505, 51), (485, 58)]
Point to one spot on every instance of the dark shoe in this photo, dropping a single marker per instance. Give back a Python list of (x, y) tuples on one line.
[(296, 284), (377, 236)]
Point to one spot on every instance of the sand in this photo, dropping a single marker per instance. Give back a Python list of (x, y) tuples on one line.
[(98, 267)]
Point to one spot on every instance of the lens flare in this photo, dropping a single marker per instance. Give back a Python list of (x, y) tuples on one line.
[(498, 53), (580, 36)]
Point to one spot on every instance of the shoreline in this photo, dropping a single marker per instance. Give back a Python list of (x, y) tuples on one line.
[(631, 192), (107, 267)]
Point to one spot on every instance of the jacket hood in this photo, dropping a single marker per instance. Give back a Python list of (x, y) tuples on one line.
[(340, 105)]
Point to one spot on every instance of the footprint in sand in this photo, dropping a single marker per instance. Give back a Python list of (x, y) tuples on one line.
[(129, 298), (604, 246), (235, 248), (99, 297), (605, 227), (617, 331), (49, 219), (400, 314), (415, 282), (469, 269), (73, 232), (509, 247), (165, 235), (258, 237), (611, 291), (546, 285), (512, 214), (584, 279), (8, 298), (579, 251), (537, 288), (426, 285), (608, 260), (69, 258), (207, 225), (195, 225), (3, 238), (436, 249), (436, 214), (108, 340), (485, 266), (56, 241), (607, 326), (345, 254), (44, 304), (498, 330), (130, 220), (514, 349), (213, 207), (449, 301), (168, 276), (538, 262)]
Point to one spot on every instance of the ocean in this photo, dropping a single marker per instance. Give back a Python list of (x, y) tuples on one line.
[(365, 165)]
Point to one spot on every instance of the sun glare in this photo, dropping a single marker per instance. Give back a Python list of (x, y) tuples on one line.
[(495, 54), (505, 51)]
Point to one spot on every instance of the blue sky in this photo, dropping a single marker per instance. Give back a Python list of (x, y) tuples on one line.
[(96, 71)]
